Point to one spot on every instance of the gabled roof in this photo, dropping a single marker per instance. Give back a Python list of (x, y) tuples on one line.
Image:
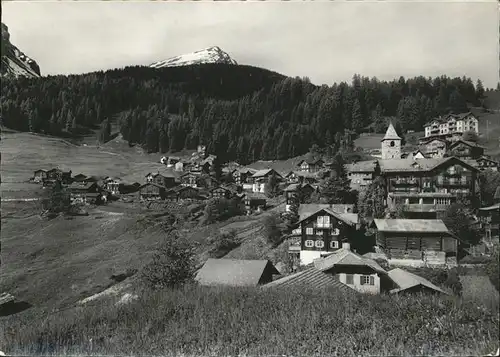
[(292, 187), (234, 272), (245, 170), (418, 165), (152, 184), (348, 218), (311, 278), (40, 170), (78, 185), (411, 225), (484, 158), (391, 134), (362, 166), (308, 209), (78, 175), (346, 257), (466, 142), (310, 161), (406, 280), (262, 173)]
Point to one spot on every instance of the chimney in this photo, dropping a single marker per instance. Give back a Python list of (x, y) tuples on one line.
[(346, 246)]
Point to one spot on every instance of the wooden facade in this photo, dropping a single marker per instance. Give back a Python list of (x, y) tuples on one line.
[(39, 175), (185, 193), (465, 150), (84, 193), (311, 165), (324, 232), (220, 192), (190, 179), (152, 191), (484, 163)]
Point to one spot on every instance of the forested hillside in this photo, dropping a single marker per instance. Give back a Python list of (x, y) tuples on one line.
[(240, 112)]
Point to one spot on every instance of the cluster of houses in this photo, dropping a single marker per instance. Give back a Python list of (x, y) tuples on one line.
[(83, 189), (343, 270)]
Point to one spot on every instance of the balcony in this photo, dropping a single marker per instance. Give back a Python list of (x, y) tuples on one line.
[(322, 225), (408, 182), (425, 207), (457, 183)]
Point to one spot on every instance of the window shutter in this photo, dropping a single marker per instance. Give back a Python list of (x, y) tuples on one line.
[(372, 280), (361, 280)]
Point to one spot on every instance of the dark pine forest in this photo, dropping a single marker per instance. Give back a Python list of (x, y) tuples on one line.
[(241, 113)]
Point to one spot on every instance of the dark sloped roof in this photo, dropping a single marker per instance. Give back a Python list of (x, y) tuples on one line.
[(497, 194), (406, 280), (417, 165), (234, 272), (391, 134), (312, 209), (311, 278), (152, 184), (466, 142)]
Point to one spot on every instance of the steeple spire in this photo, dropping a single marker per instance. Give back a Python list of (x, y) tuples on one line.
[(391, 133)]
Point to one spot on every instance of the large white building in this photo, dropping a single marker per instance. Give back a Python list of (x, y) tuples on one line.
[(451, 126)]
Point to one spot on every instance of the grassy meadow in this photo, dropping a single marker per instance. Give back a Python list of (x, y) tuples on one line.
[(242, 321)]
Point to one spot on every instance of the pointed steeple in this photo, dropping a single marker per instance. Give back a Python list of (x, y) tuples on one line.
[(391, 134)]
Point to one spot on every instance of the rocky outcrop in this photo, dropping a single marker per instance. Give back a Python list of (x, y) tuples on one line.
[(14, 62)]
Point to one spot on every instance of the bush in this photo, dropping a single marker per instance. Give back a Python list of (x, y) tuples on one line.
[(172, 265), (272, 230), (492, 270), (453, 281), (471, 259), (224, 242), (220, 209)]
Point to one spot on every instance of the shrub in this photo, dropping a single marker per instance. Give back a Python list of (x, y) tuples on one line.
[(492, 270), (471, 259), (272, 230), (220, 209), (453, 282), (224, 242), (172, 265)]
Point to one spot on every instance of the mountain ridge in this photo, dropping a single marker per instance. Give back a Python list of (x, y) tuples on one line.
[(14, 62), (213, 54)]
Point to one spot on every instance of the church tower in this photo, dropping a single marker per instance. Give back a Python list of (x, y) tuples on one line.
[(391, 144)]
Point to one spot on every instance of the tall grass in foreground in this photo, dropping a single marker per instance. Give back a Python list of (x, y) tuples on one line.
[(209, 321)]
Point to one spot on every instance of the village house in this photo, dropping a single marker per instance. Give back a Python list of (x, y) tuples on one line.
[(301, 177), (424, 186), (407, 282), (360, 273), (112, 185), (184, 193), (84, 193), (80, 178), (39, 176), (166, 179), (485, 163), (416, 242), (190, 179), (56, 174), (221, 192), (435, 148), (320, 231), (489, 218), (241, 176), (233, 272), (261, 177), (299, 191), (465, 150), (152, 191), (391, 144), (361, 174), (254, 204), (311, 165), (451, 126)]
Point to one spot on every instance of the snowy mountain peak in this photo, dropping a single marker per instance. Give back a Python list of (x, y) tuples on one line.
[(14, 62), (208, 55)]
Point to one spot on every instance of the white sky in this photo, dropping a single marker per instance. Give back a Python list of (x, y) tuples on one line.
[(326, 41)]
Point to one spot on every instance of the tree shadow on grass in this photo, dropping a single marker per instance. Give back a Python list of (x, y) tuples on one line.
[(14, 308)]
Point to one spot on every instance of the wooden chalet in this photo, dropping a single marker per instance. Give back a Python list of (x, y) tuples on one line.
[(301, 177), (311, 165), (221, 192), (184, 193), (152, 191), (485, 163), (190, 179), (166, 179), (261, 177), (254, 204), (435, 148), (79, 178), (489, 218), (465, 150), (322, 231), (241, 177), (297, 191), (112, 185), (416, 241), (85, 193), (39, 175)]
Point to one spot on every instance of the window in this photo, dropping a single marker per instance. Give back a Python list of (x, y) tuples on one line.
[(309, 243), (309, 231), (336, 231), (349, 279), (319, 244), (392, 143), (367, 280), (334, 244)]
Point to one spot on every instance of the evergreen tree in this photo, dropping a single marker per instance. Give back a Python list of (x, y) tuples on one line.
[(357, 116), (271, 186), (336, 188)]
